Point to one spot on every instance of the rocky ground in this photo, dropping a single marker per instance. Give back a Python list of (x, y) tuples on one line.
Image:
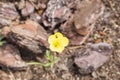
[(106, 29)]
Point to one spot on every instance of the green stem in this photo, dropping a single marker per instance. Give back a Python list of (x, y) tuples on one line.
[(35, 63)]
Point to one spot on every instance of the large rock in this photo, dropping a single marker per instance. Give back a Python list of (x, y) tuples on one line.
[(10, 57), (57, 12), (92, 57), (30, 35), (79, 26)]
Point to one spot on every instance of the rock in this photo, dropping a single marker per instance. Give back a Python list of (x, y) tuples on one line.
[(28, 9), (10, 57), (82, 22), (30, 35), (92, 57), (86, 14), (7, 13), (20, 5), (4, 76), (35, 17), (57, 12)]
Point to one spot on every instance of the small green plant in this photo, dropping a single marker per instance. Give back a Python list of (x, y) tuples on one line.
[(1, 39), (51, 60), (95, 36)]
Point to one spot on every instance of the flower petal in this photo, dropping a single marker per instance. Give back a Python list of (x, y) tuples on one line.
[(51, 39), (60, 49), (57, 49), (52, 48), (58, 42), (58, 34), (65, 41)]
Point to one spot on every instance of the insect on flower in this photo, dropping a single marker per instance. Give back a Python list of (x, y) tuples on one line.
[(58, 42)]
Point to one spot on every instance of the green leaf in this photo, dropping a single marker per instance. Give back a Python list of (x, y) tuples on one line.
[(56, 59), (51, 57), (52, 64), (1, 43), (1, 37), (95, 36), (48, 55)]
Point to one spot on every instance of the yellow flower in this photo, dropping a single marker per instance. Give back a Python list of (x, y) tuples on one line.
[(57, 42)]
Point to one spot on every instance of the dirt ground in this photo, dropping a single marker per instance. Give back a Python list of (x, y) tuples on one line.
[(108, 26)]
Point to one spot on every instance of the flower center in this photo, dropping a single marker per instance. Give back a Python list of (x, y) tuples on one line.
[(56, 44)]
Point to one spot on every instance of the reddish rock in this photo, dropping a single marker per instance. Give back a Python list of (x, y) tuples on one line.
[(82, 22), (10, 57), (30, 35), (28, 9)]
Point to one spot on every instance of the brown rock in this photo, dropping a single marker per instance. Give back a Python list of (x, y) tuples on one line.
[(28, 9), (10, 57), (7, 13), (4, 76), (35, 17), (30, 35), (86, 14), (82, 22), (92, 57)]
